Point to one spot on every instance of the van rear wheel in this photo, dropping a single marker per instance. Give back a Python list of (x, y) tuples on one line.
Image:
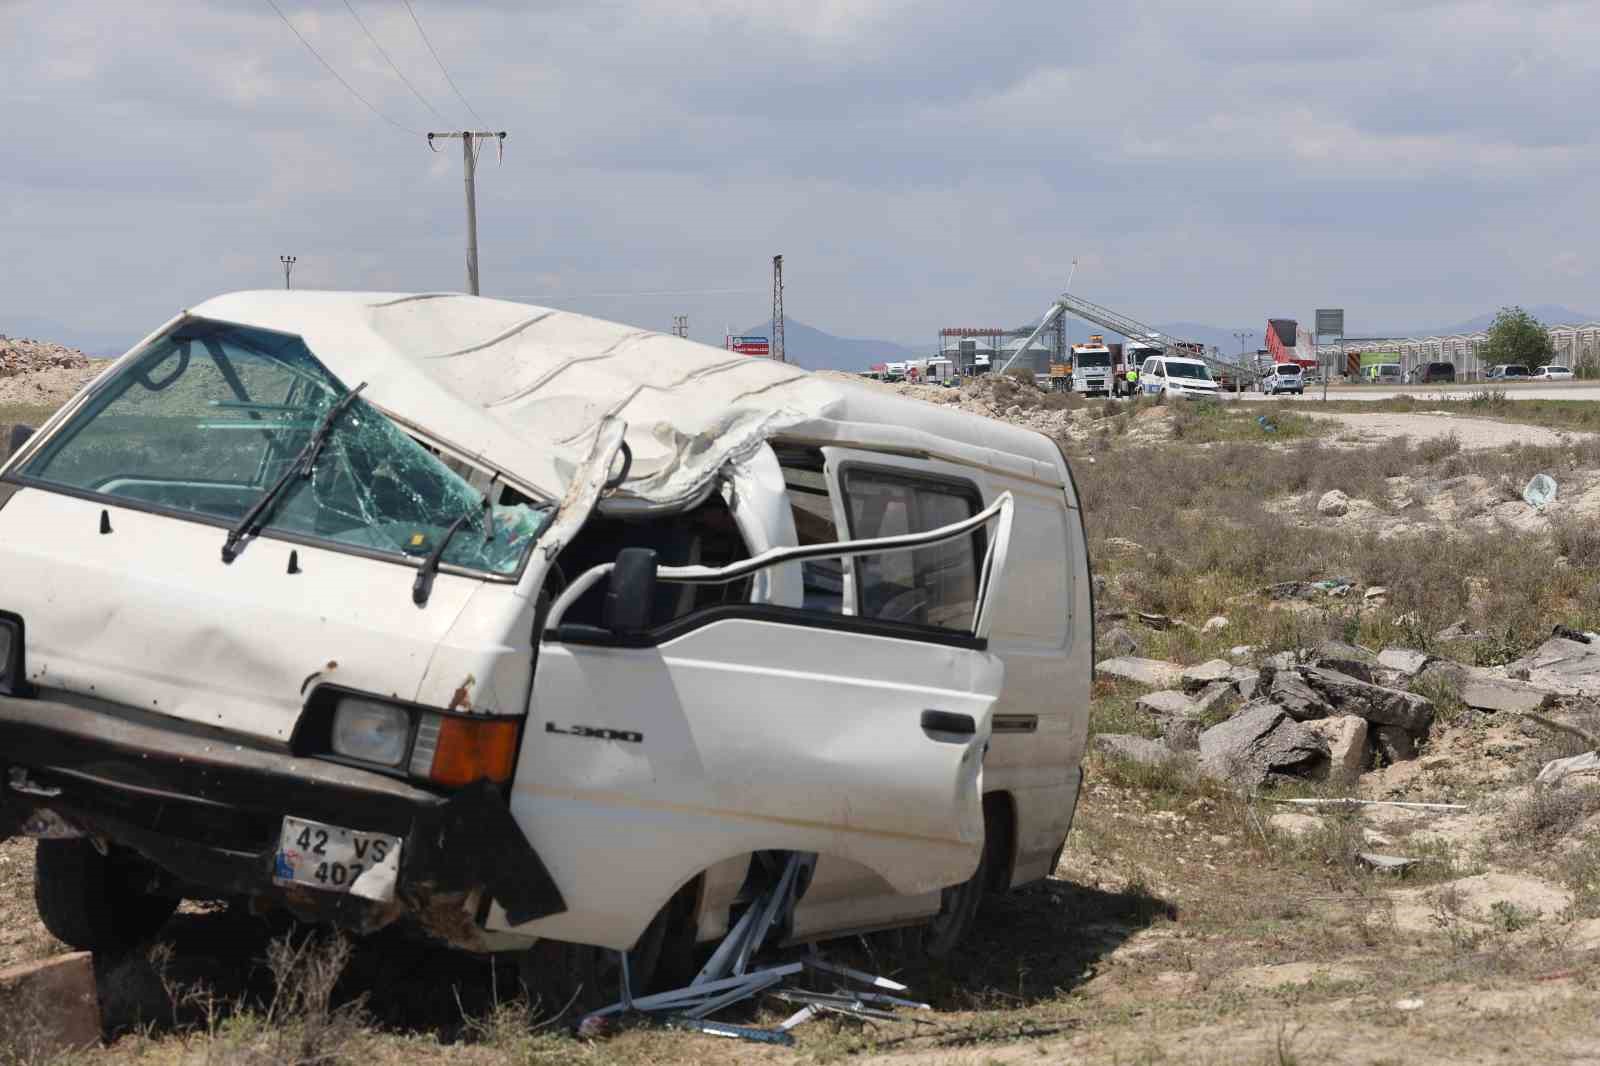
[(958, 909), (95, 902)]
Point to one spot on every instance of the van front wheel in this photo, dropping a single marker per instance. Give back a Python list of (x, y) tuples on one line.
[(95, 902), (571, 980)]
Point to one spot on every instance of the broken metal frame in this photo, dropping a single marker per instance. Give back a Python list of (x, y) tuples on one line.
[(726, 978)]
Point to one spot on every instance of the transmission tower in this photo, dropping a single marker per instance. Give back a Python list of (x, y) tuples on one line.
[(288, 262), (680, 326), (777, 308)]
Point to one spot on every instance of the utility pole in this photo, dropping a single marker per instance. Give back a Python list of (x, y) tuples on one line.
[(469, 161), (288, 268), (680, 326), (777, 309), (1242, 335)]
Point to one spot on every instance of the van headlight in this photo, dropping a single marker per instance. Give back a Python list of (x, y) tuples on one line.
[(371, 731)]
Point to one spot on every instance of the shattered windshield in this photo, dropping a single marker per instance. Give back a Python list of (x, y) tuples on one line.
[(210, 415)]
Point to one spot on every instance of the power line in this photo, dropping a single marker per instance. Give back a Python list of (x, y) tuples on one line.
[(439, 61), (381, 51), (329, 66)]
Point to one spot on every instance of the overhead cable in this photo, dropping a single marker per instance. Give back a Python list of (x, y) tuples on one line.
[(442, 70), (398, 73), (329, 67)]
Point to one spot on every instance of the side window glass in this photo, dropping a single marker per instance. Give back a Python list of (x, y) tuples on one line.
[(821, 579), (937, 585)]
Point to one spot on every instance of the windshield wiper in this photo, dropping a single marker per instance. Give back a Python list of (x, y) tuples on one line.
[(303, 464), (422, 587)]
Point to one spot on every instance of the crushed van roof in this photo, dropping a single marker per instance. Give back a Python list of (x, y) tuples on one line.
[(524, 389)]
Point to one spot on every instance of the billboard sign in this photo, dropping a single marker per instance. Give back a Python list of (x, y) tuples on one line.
[(1330, 322), (750, 345)]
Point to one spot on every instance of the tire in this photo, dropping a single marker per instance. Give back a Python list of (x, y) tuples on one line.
[(958, 909), (570, 980), (94, 902)]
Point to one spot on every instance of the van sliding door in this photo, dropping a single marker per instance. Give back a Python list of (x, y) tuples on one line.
[(651, 756)]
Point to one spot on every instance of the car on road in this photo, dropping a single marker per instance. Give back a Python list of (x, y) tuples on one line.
[(1432, 373), (1285, 377), (1553, 372), (1509, 372), (1166, 375)]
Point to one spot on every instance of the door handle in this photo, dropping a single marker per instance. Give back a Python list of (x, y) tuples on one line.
[(948, 723)]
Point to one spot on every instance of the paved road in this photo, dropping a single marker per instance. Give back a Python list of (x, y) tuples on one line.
[(1574, 390)]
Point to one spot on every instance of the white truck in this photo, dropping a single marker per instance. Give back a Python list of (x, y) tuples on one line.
[(1091, 367)]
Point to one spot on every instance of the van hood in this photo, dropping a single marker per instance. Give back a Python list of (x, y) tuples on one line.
[(147, 615)]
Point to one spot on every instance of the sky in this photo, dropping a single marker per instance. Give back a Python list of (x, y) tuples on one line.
[(917, 164)]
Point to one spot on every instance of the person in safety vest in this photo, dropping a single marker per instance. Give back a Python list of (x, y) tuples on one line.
[(1133, 381)]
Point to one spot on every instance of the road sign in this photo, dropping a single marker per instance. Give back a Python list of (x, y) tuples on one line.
[(1330, 321), (750, 345)]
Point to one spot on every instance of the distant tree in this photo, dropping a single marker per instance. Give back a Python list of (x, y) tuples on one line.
[(1517, 337)]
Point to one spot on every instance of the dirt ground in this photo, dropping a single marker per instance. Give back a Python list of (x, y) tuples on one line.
[(1366, 429)]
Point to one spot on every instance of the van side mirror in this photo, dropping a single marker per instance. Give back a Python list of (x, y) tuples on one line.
[(19, 437), (631, 595)]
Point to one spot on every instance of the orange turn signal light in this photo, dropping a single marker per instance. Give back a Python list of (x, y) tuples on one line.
[(474, 749)]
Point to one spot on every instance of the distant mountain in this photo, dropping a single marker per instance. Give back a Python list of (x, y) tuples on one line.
[(814, 349), (1549, 314)]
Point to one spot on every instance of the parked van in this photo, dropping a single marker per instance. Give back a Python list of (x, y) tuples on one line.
[(1166, 375), (536, 631)]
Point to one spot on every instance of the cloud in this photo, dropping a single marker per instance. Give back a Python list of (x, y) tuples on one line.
[(918, 164)]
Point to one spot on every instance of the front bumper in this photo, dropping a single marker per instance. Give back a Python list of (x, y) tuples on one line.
[(207, 807)]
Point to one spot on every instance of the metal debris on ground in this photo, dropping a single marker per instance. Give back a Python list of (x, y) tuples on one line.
[(726, 979), (1374, 803)]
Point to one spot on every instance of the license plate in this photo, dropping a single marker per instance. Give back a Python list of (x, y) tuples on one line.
[(335, 859)]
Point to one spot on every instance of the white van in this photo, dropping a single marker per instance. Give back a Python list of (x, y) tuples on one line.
[(539, 632), (1284, 377), (1166, 375)]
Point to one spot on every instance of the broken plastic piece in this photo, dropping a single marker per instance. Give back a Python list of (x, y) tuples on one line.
[(1540, 492)]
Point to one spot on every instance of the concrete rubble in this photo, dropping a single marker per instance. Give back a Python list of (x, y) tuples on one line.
[(1258, 743), (1132, 748), (1564, 666), (52, 1005), (19, 356), (1152, 673)]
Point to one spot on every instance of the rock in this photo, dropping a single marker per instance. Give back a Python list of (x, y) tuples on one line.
[(1445, 674), (1302, 703), (1565, 666), (1212, 696), (1214, 623), (1586, 765), (1207, 673), (1283, 660), (1134, 749), (1241, 651), (1376, 592), (1118, 641), (1346, 737), (1099, 582), (1259, 741), (1168, 703), (1123, 546), (1245, 681), (1152, 673), (1375, 703), (1485, 693), (1294, 824), (1345, 658), (58, 996), (1404, 661), (1456, 631), (1157, 622), (1394, 744), (1333, 504), (1386, 864), (1182, 734)]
